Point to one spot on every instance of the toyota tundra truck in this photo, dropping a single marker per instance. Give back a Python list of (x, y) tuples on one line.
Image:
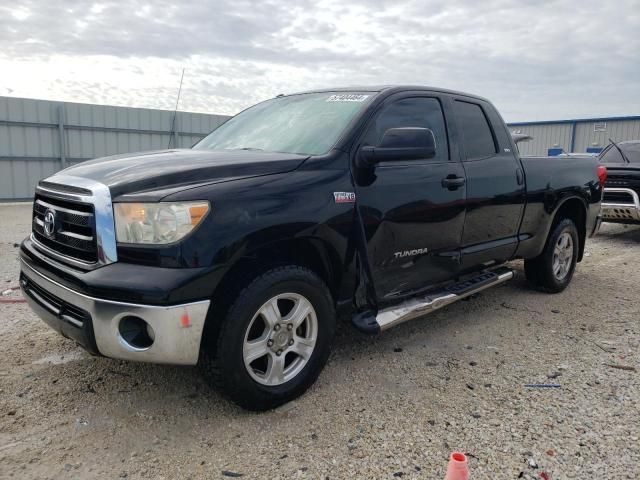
[(378, 205)]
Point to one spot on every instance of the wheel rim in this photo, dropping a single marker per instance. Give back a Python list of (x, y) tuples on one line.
[(280, 339), (563, 256)]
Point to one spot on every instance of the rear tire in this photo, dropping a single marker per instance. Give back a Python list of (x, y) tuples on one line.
[(552, 270), (274, 340)]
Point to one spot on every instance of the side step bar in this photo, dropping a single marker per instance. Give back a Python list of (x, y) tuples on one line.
[(419, 306)]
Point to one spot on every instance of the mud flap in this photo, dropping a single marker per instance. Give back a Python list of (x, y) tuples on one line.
[(365, 298)]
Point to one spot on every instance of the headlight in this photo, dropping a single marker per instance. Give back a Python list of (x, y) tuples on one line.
[(157, 223)]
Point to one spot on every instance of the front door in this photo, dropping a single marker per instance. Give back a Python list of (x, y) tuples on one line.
[(412, 211)]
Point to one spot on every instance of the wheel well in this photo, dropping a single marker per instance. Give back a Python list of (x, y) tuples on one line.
[(311, 253), (575, 210)]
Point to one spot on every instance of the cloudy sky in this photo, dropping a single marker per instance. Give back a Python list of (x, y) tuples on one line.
[(535, 59)]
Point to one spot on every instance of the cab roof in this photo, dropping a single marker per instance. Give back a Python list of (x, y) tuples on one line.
[(389, 89)]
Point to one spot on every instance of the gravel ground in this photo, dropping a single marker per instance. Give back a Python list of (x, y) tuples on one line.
[(389, 406)]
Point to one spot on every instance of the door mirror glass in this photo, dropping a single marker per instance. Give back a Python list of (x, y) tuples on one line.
[(399, 144)]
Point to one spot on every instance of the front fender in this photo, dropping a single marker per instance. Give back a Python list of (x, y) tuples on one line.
[(251, 219)]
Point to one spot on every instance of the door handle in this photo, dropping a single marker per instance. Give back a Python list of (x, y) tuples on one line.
[(452, 182)]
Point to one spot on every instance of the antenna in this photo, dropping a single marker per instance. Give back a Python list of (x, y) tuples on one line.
[(175, 112)]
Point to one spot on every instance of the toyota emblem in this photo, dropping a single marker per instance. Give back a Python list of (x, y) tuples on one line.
[(49, 223)]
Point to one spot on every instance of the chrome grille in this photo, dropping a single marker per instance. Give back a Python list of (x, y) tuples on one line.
[(84, 234), (73, 232)]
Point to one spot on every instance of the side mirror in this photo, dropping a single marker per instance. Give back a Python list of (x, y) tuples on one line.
[(406, 143), (521, 137)]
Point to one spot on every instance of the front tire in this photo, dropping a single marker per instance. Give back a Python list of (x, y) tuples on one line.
[(553, 269), (274, 340)]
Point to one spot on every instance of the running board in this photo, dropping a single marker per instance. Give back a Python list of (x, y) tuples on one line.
[(417, 307)]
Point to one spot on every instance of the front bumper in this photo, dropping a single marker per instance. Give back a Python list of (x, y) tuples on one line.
[(94, 323), (629, 211)]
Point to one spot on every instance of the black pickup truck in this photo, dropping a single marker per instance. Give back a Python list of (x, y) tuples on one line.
[(375, 204)]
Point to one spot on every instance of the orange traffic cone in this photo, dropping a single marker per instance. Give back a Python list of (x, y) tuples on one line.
[(457, 468)]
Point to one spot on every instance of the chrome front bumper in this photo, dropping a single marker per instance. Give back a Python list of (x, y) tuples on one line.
[(621, 211), (177, 329)]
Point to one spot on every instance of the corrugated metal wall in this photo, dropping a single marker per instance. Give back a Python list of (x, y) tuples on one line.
[(575, 135), (544, 137), (618, 131), (39, 137)]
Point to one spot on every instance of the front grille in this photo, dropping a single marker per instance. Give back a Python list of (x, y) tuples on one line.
[(58, 307), (617, 183), (73, 234), (615, 180), (65, 188), (617, 197)]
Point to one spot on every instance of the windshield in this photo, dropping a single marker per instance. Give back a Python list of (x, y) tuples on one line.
[(308, 124), (612, 155)]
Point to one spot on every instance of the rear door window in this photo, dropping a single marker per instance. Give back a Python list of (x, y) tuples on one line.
[(478, 138)]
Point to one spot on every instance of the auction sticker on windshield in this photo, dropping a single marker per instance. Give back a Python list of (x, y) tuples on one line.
[(347, 97)]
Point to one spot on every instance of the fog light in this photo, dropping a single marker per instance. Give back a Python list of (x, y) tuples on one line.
[(136, 332)]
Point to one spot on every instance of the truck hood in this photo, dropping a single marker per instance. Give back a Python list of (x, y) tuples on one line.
[(620, 168), (160, 173)]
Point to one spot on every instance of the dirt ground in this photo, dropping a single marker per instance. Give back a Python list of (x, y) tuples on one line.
[(391, 406)]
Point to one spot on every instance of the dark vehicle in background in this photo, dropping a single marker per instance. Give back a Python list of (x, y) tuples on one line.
[(378, 204), (621, 203)]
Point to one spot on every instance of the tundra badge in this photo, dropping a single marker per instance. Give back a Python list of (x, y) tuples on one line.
[(410, 253), (344, 197)]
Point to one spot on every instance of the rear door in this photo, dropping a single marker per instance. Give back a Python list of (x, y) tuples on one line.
[(495, 184), (413, 222)]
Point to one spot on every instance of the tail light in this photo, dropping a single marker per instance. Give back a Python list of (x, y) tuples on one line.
[(601, 171)]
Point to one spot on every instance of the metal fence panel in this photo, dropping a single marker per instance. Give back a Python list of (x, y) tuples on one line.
[(39, 137)]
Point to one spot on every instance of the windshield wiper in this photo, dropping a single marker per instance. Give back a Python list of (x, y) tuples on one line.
[(251, 149), (624, 157)]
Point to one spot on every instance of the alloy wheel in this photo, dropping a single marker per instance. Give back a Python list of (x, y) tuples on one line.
[(280, 339), (562, 256)]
